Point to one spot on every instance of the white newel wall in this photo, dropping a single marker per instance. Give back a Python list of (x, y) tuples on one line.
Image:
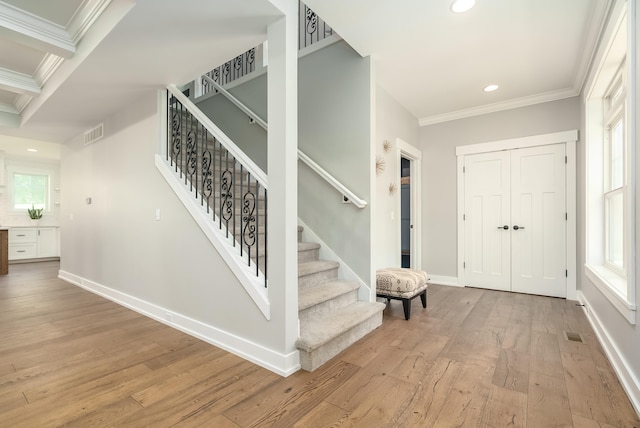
[(164, 268)]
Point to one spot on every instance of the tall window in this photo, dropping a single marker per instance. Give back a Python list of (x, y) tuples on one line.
[(610, 131), (30, 190), (614, 175)]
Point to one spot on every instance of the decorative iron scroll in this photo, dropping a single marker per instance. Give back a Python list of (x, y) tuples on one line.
[(231, 70), (231, 195), (312, 28)]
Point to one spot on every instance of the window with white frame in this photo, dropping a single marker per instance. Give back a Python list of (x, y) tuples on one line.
[(30, 190), (609, 222), (614, 174)]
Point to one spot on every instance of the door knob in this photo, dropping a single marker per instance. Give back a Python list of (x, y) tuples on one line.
[(505, 227), (516, 227)]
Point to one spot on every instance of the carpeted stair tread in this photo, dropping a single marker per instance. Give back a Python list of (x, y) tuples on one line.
[(312, 296), (318, 331), (309, 268), (306, 246)]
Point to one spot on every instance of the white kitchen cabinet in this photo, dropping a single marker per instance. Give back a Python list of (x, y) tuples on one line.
[(33, 243)]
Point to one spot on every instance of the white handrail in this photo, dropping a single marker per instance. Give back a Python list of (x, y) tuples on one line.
[(237, 153), (360, 203), (257, 119)]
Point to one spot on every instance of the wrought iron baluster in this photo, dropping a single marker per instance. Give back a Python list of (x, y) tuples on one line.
[(207, 163), (249, 231), (241, 213), (226, 190), (264, 240)]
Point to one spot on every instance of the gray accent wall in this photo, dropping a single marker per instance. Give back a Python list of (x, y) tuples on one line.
[(115, 241), (439, 172), (249, 137), (334, 129)]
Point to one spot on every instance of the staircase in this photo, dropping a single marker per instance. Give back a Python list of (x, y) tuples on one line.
[(331, 317)]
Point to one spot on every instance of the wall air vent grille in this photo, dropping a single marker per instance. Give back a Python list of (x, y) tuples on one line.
[(94, 134)]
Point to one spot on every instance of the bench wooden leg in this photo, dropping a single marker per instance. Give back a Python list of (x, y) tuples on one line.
[(406, 305), (423, 297)]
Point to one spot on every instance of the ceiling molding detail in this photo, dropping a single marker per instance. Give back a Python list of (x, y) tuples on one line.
[(22, 101), (85, 17), (18, 83), (7, 108), (33, 31), (495, 107), (597, 22), (46, 68)]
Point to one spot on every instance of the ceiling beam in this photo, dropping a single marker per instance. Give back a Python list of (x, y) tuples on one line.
[(30, 30), (18, 83)]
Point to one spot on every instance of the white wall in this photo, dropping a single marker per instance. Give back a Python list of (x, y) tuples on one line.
[(393, 121), (116, 242), (335, 99), (439, 193)]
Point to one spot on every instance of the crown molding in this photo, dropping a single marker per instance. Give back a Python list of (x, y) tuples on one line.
[(31, 30), (46, 68), (18, 83), (596, 25), (84, 17), (22, 102), (500, 106)]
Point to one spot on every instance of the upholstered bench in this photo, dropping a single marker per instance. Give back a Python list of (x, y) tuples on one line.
[(402, 284)]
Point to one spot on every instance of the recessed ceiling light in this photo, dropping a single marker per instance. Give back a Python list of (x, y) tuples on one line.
[(32, 150), (460, 6), (490, 88)]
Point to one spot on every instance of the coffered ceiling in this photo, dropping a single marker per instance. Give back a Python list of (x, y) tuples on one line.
[(66, 65)]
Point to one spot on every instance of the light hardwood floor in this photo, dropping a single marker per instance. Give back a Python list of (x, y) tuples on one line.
[(472, 358)]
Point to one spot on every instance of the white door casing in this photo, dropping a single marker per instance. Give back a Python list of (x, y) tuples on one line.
[(406, 150), (567, 274)]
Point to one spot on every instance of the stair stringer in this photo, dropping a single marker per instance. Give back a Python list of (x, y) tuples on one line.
[(365, 293), (253, 285)]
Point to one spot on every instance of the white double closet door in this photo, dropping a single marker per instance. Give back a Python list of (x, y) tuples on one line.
[(515, 220)]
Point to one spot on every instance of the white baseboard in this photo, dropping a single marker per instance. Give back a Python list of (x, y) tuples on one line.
[(629, 381), (451, 281), (282, 364)]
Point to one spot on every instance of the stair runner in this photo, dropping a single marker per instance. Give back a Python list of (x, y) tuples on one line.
[(331, 317)]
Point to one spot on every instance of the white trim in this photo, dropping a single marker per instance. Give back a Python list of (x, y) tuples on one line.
[(46, 68), (254, 286), (85, 17), (501, 106), (18, 83), (623, 369), (569, 138), (450, 281), (518, 143), (344, 271), (38, 33), (327, 41), (460, 215), (572, 216), (601, 279), (406, 150), (282, 364)]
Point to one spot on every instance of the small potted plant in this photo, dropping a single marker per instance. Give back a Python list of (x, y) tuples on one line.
[(35, 214)]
